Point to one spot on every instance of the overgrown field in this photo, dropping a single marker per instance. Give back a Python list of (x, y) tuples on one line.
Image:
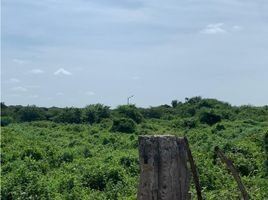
[(50, 159)]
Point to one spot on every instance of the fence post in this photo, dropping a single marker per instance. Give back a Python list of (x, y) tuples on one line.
[(164, 174), (230, 166)]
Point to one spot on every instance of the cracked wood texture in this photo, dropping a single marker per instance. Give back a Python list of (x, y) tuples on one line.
[(164, 174)]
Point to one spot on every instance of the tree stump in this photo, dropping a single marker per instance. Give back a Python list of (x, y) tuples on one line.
[(164, 174)]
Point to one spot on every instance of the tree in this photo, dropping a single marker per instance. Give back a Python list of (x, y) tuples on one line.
[(69, 115), (174, 103), (209, 116), (31, 113), (95, 113), (130, 111), (124, 125)]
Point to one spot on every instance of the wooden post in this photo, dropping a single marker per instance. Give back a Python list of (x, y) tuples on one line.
[(230, 166), (164, 174), (194, 170)]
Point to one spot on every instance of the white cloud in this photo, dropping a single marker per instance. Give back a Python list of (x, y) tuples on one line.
[(213, 29), (19, 61), (90, 93), (14, 80), (19, 89), (237, 28), (62, 71), (36, 71)]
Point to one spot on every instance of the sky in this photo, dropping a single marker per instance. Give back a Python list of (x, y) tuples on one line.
[(80, 52)]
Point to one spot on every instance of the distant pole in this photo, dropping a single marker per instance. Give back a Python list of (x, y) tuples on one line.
[(129, 99)]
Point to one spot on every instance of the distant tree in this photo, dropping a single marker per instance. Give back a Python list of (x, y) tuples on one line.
[(3, 105), (69, 115), (95, 113), (153, 112), (209, 116), (193, 100), (5, 120), (30, 113), (130, 111), (3, 109), (174, 103), (52, 113)]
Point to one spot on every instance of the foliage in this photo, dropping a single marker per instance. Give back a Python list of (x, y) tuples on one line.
[(95, 113), (209, 117), (5, 120), (69, 115), (31, 113), (78, 159), (130, 111), (266, 150), (124, 125)]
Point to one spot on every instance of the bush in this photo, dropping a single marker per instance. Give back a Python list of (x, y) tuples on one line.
[(95, 113), (124, 125), (266, 150), (33, 153), (66, 157), (185, 123), (6, 121), (131, 164), (130, 111), (69, 115), (153, 112), (188, 123), (209, 117), (99, 178), (31, 113)]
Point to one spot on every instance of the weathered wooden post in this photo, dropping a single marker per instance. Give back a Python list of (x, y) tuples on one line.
[(164, 174)]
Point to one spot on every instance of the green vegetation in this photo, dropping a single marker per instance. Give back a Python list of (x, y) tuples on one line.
[(92, 152)]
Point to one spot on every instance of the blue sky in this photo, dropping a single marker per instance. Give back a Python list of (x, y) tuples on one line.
[(79, 52)]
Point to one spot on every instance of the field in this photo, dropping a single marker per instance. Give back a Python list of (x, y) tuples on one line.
[(49, 159)]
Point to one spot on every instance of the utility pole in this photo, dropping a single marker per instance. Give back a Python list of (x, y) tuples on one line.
[(129, 99)]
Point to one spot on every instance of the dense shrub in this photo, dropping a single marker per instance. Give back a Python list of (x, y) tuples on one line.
[(33, 153), (95, 113), (124, 125), (69, 115), (66, 157), (86, 152), (217, 128), (184, 123), (130, 111), (188, 123), (209, 117), (99, 178), (31, 113), (153, 112), (46, 160), (130, 164), (6, 121), (266, 151)]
